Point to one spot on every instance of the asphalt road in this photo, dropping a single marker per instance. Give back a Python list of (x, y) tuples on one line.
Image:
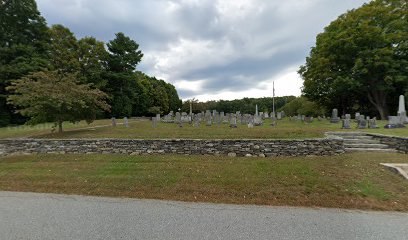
[(51, 216)]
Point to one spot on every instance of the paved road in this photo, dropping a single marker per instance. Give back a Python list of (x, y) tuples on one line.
[(50, 216)]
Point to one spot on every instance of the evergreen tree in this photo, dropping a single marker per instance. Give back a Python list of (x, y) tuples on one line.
[(23, 44)]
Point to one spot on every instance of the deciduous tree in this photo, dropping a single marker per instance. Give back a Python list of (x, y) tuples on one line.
[(361, 58), (56, 97)]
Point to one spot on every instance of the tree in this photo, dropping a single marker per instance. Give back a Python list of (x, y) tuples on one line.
[(92, 61), (23, 44), (64, 50), (361, 58), (122, 60), (303, 106), (51, 96)]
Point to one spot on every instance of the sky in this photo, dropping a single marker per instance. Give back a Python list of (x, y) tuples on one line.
[(209, 49)]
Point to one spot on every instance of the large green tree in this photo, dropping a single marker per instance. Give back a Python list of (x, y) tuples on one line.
[(56, 97), (361, 59), (23, 44), (124, 55)]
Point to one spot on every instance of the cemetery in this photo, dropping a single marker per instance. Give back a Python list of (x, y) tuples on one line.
[(81, 118), (226, 134)]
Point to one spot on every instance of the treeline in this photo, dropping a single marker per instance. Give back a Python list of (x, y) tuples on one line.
[(245, 105), (28, 46)]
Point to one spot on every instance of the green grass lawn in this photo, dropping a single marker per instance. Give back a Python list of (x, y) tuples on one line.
[(143, 130), (345, 181)]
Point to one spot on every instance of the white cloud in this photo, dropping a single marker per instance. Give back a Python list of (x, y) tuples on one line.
[(210, 49)]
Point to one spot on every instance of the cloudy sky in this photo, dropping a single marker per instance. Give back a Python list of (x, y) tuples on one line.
[(209, 49)]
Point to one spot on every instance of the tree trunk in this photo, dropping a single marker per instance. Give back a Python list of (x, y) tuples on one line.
[(59, 126), (378, 99)]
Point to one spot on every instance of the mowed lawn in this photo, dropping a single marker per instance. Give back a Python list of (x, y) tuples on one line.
[(142, 129), (345, 181)]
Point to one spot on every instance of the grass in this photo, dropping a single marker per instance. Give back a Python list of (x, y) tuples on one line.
[(143, 130), (354, 181)]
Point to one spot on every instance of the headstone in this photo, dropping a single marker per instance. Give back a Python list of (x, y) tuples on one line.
[(362, 124), (207, 117), (185, 118), (125, 122), (372, 123), (158, 117), (154, 122), (256, 110), (401, 110), (168, 118), (319, 118), (279, 115), (258, 120), (197, 120), (347, 116), (335, 116), (113, 122), (308, 119), (346, 123), (233, 121), (357, 116), (178, 118), (394, 122)]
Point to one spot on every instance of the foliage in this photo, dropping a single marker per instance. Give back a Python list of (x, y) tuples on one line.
[(360, 59), (302, 106), (23, 48), (28, 47), (245, 105), (122, 60), (50, 96)]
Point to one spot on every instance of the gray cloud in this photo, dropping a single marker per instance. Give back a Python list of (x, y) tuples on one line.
[(207, 47)]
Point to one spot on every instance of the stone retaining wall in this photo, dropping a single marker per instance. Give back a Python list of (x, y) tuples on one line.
[(399, 143), (263, 148)]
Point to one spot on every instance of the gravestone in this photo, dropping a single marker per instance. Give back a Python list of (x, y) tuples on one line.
[(335, 116), (126, 122), (372, 123), (279, 115), (256, 110), (168, 118), (158, 117), (347, 116), (266, 115), (185, 118), (197, 120), (319, 118), (393, 122), (346, 123), (299, 117), (233, 121), (357, 116), (154, 122), (113, 122), (362, 124), (308, 119), (401, 110), (258, 120), (178, 118), (208, 121), (273, 114)]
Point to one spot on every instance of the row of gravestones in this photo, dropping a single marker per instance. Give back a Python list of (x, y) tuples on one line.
[(213, 117), (398, 121)]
